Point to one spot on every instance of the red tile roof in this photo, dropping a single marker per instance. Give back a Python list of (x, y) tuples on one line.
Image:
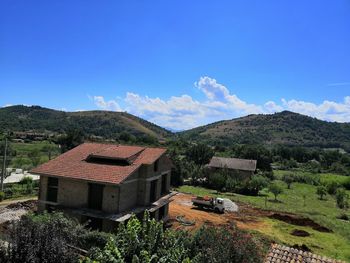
[(283, 254), (73, 164), (118, 152)]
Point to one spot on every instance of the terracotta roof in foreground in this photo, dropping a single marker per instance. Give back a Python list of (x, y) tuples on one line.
[(73, 164), (283, 254), (233, 163)]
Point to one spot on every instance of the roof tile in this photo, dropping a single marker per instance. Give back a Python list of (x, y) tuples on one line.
[(73, 164)]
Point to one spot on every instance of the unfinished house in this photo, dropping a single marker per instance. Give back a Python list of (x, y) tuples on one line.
[(240, 168), (104, 184)]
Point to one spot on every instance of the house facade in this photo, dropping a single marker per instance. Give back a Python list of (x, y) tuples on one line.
[(241, 168), (105, 184)]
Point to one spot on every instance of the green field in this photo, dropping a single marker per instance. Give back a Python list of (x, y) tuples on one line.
[(301, 199), (22, 151)]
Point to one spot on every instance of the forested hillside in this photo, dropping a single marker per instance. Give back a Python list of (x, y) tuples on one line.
[(285, 128), (107, 124)]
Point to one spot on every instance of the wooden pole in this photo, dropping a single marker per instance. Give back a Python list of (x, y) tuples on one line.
[(4, 166)]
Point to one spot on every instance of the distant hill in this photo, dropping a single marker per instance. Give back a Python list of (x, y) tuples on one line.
[(107, 124), (287, 128)]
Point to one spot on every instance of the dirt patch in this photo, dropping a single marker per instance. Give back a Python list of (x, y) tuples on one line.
[(14, 211), (27, 205), (300, 233), (181, 205), (299, 221)]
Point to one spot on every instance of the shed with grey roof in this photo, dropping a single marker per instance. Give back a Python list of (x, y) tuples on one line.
[(243, 168)]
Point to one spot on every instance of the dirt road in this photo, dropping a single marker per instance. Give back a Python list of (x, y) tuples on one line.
[(246, 218)]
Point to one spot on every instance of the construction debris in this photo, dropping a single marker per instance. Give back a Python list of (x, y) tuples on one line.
[(183, 221)]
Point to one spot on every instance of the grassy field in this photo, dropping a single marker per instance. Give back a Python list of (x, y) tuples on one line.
[(23, 150), (301, 199)]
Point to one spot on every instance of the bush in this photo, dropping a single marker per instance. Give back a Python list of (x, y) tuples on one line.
[(342, 198), (306, 178), (26, 180), (2, 196), (346, 184), (90, 239), (344, 217), (217, 181), (29, 187), (332, 187), (144, 241), (44, 238), (212, 244), (288, 179), (321, 191)]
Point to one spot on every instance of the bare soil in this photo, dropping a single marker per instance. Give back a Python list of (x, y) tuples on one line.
[(247, 217), (14, 211), (300, 233), (299, 221)]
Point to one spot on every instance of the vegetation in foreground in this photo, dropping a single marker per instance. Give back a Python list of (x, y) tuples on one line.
[(55, 238)]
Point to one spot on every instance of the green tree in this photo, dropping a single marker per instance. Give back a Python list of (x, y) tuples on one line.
[(217, 180), (276, 189), (35, 157), (49, 149), (199, 154), (257, 183), (288, 179), (321, 191), (73, 138)]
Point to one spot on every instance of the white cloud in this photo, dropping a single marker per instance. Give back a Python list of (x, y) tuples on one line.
[(7, 105), (184, 112), (327, 110), (106, 105), (217, 93), (272, 107)]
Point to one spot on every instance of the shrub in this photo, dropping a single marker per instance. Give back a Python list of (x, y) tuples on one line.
[(306, 178), (29, 187), (346, 184), (321, 191), (276, 189), (342, 198), (144, 241), (2, 196), (26, 180), (332, 187), (344, 217), (212, 244), (8, 192), (217, 181), (44, 238), (90, 239), (231, 184), (288, 179)]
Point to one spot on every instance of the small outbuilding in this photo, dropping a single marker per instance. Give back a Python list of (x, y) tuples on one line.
[(245, 168)]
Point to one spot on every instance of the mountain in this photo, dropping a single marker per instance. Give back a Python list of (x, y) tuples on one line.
[(107, 124), (286, 128)]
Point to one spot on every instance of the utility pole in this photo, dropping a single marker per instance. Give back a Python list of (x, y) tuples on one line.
[(4, 166)]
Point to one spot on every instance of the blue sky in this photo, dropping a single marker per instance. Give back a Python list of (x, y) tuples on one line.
[(179, 64)]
